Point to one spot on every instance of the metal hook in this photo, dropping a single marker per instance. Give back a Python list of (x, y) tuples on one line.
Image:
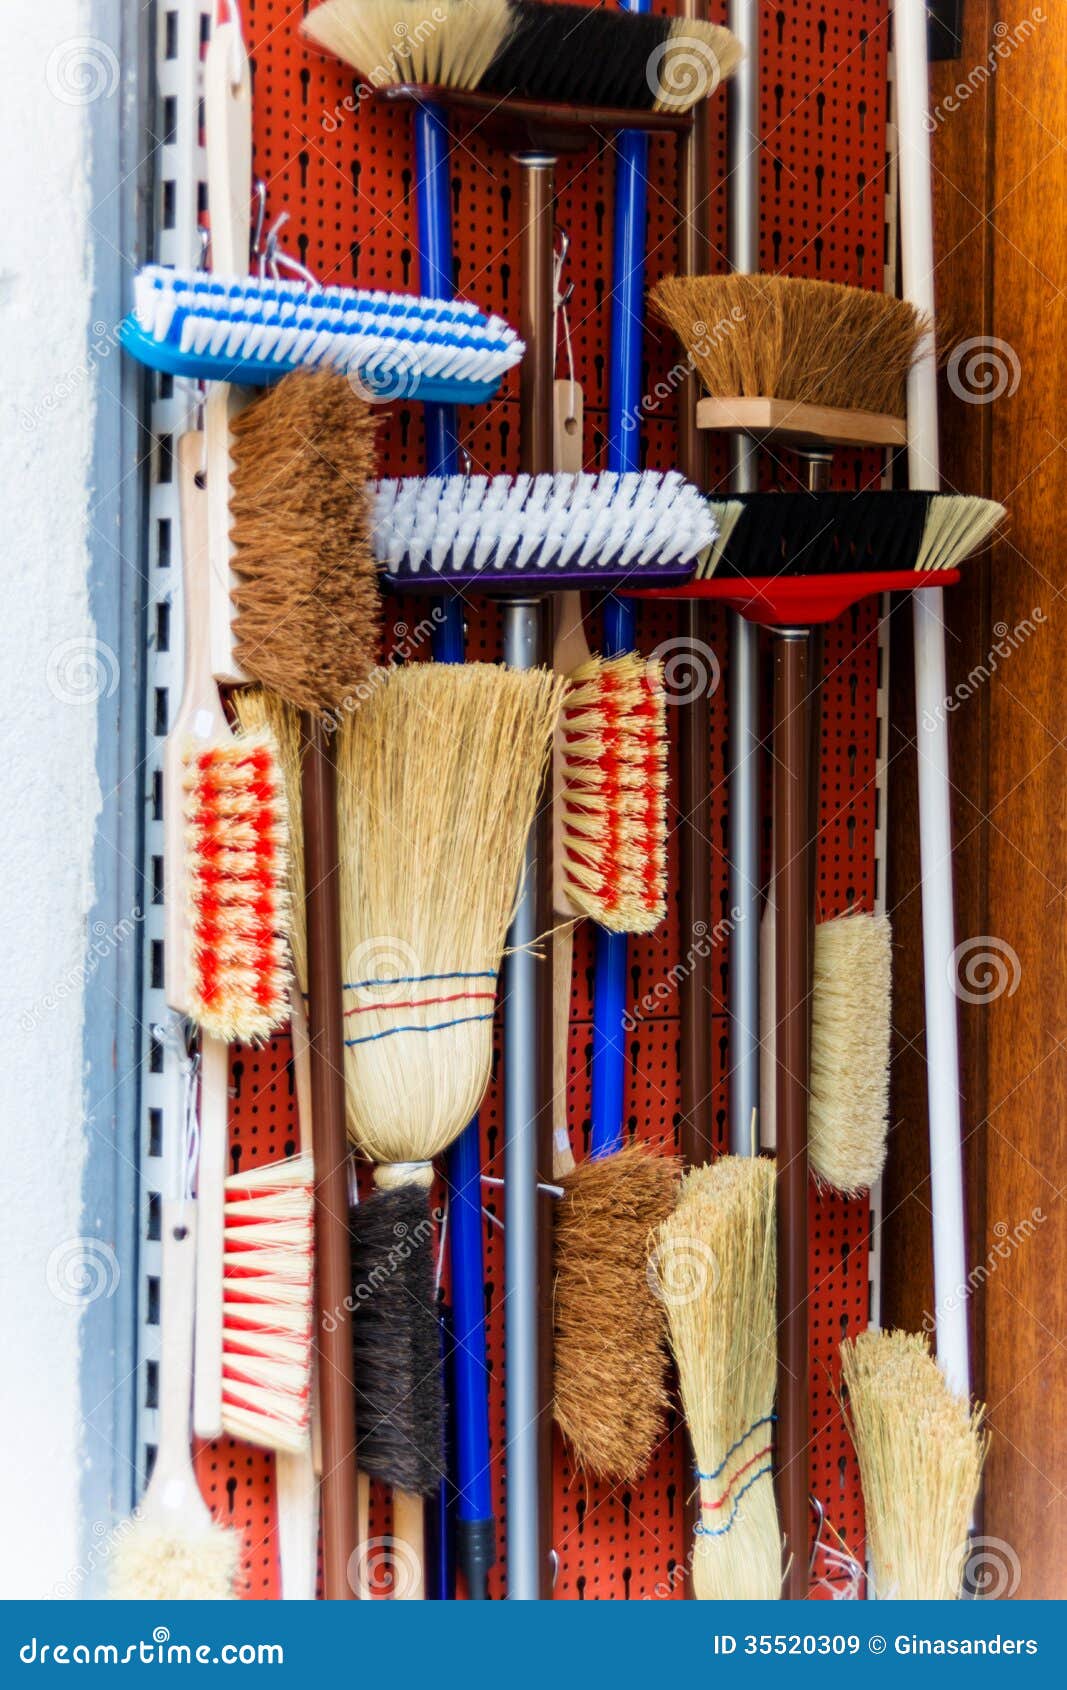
[(275, 259), (559, 259), (259, 192), (820, 1515)]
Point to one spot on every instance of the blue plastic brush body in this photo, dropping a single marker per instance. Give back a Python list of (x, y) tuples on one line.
[(474, 1502), (624, 442)]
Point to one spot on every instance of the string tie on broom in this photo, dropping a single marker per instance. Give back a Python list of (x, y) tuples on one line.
[(406, 1002), (729, 1497)]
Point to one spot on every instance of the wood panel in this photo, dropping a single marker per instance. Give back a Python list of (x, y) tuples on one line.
[(1001, 277)]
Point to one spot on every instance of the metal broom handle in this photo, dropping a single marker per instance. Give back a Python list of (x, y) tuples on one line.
[(944, 1108)]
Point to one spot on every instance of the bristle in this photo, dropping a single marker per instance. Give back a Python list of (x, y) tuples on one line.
[(399, 1402), (800, 534), (446, 43), (257, 709), (610, 1345), (727, 514), (596, 56), (921, 1451), (267, 1290), (848, 1107), (566, 55), (499, 531), (818, 343), (153, 1564), (956, 527), (439, 773), (236, 862), (307, 611), (714, 1262), (614, 793), (254, 329)]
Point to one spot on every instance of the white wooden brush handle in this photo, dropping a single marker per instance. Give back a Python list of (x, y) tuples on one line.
[(200, 716), (173, 1488), (570, 649), (297, 1493), (409, 1547), (562, 957), (228, 126), (210, 1196)]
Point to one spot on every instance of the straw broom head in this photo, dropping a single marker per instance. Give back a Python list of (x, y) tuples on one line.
[(920, 1451), (439, 772), (848, 1108), (154, 1563), (610, 1346), (784, 337), (714, 1262), (306, 610)]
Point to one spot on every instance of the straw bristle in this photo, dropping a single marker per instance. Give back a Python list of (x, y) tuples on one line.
[(446, 43), (697, 56), (921, 1451), (236, 862), (957, 525), (610, 1344), (818, 343), (714, 1261), (397, 1364), (439, 772), (614, 792), (257, 709), (848, 1109), (727, 513), (268, 1244), (307, 610), (152, 1563)]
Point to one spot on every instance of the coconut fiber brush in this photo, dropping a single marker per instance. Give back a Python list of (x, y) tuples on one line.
[(566, 55), (713, 1265), (306, 625), (921, 1449)]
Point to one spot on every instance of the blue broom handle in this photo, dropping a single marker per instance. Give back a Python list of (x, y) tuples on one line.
[(475, 1502), (624, 442)]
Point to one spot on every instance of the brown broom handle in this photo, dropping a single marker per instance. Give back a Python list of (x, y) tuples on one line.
[(694, 775), (333, 1337), (792, 744)]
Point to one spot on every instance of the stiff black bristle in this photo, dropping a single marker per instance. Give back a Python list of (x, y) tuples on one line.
[(400, 1413), (824, 534)]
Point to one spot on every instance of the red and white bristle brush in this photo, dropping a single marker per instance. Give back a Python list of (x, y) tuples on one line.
[(613, 829)]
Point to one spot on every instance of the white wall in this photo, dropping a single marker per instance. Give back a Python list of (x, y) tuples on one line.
[(52, 671)]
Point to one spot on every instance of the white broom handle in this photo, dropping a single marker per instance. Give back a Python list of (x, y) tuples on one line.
[(911, 83)]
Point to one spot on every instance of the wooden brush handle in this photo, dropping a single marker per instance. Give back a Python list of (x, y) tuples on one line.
[(297, 1490), (228, 136), (200, 716), (409, 1537), (210, 1201), (333, 1337), (562, 955)]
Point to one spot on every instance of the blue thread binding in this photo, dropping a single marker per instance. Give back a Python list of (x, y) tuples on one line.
[(701, 1530), (416, 979), (435, 1027), (709, 1478)]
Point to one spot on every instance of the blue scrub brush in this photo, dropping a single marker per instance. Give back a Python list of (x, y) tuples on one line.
[(251, 330)]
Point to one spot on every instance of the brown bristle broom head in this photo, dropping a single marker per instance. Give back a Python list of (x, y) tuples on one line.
[(714, 1263), (848, 1100), (785, 337), (921, 1450), (257, 709), (236, 863), (610, 1333), (614, 793), (439, 773), (307, 608)]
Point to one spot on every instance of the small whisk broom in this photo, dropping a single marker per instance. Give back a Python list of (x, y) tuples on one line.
[(921, 1449), (713, 1265)]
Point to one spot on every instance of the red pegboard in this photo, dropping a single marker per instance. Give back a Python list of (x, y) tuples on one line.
[(344, 173)]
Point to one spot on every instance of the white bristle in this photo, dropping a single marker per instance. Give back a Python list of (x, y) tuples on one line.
[(254, 320), (585, 524), (268, 1288), (727, 514)]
